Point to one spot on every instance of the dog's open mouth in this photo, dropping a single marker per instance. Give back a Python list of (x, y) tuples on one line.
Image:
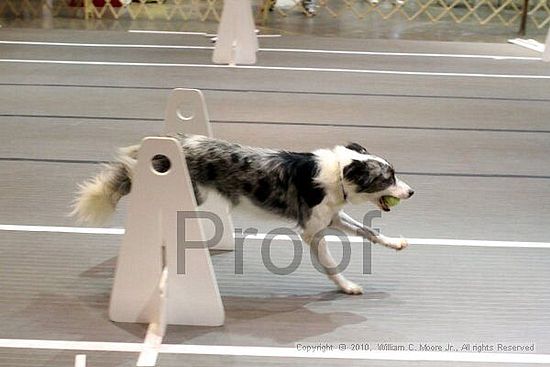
[(382, 204)]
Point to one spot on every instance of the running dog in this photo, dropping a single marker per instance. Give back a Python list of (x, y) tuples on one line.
[(309, 188)]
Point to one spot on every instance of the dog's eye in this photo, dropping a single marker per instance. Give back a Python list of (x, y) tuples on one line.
[(387, 181)]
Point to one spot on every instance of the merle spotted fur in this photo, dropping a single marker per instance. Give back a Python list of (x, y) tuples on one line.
[(282, 182)]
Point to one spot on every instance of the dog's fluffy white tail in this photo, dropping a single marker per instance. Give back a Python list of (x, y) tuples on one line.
[(97, 198)]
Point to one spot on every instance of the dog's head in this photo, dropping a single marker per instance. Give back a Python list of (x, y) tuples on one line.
[(367, 177)]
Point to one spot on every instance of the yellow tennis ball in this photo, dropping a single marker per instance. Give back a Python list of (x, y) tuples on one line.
[(391, 200)]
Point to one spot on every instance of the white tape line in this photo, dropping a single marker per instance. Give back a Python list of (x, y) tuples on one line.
[(432, 242), (274, 352), (476, 243), (71, 345), (262, 236), (167, 32), (276, 68), (285, 50), (84, 230), (106, 45), (406, 54)]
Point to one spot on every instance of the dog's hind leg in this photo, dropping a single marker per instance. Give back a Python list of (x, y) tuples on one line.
[(321, 252), (349, 225)]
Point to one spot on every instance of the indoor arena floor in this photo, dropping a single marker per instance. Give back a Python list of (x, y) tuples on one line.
[(466, 125)]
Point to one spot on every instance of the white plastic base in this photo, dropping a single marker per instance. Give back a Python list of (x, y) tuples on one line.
[(546, 53)]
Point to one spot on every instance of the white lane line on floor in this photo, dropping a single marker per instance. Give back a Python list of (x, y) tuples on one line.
[(407, 54), (168, 32), (276, 68), (56, 229), (71, 345), (262, 236), (106, 45), (194, 33), (278, 352), (285, 50)]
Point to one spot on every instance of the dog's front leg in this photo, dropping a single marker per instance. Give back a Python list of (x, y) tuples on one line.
[(322, 254), (349, 225)]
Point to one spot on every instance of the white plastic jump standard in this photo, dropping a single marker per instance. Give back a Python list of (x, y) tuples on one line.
[(150, 248), (546, 53), (186, 112), (156, 281), (237, 42)]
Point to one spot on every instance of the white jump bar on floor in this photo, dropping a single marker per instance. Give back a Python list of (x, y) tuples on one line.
[(278, 352), (261, 236), (285, 50)]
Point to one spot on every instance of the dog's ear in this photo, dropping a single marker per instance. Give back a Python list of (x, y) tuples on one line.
[(359, 173), (357, 147)]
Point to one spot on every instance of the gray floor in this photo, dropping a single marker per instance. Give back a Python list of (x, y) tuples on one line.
[(475, 149)]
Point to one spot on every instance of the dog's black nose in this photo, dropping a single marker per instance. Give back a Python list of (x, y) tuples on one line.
[(411, 192)]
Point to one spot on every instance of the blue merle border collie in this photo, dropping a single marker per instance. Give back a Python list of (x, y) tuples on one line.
[(310, 188)]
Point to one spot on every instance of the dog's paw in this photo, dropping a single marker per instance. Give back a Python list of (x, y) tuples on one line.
[(401, 244), (349, 287), (394, 243)]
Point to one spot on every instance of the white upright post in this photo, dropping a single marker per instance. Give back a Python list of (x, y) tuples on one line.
[(147, 287), (186, 113), (80, 360), (237, 42), (546, 53)]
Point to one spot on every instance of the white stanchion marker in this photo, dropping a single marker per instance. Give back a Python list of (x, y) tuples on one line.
[(546, 54), (80, 360), (237, 42)]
